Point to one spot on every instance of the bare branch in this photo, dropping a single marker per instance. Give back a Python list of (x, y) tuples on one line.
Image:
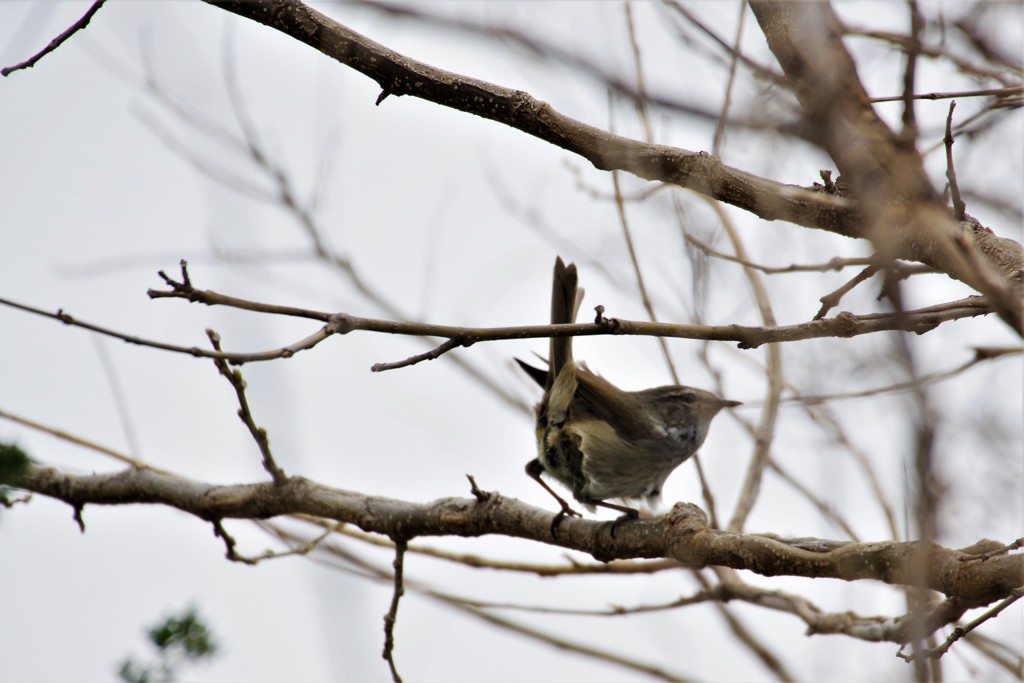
[(961, 631), (832, 299), (468, 607), (399, 75), (433, 354), (846, 114), (259, 435), (392, 616), (682, 534), (56, 42), (1015, 91), (902, 213), (230, 356), (959, 207)]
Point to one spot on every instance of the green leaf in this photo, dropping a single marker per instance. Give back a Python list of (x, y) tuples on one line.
[(13, 463), (187, 632)]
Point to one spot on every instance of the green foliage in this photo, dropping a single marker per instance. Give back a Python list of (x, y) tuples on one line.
[(132, 672), (187, 632), (178, 641), (13, 463)]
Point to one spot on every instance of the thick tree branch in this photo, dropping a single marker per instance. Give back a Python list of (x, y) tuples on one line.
[(927, 234), (903, 214), (400, 75), (683, 534)]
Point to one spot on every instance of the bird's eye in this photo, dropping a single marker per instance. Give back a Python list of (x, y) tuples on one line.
[(686, 397)]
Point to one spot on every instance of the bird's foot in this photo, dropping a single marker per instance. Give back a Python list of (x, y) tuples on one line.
[(630, 515), (566, 511)]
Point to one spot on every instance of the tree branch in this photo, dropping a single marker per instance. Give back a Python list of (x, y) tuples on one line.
[(56, 42), (682, 534), (842, 325), (902, 213), (399, 75)]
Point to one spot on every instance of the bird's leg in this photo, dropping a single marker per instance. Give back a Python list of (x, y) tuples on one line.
[(534, 469), (627, 512)]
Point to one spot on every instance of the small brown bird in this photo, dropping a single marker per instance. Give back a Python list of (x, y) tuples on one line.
[(600, 441)]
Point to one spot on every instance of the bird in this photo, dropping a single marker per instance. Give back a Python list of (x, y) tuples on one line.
[(602, 442)]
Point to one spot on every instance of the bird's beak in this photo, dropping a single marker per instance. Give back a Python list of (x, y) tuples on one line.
[(730, 404)]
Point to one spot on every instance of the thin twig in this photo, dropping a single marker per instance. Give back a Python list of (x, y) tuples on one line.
[(823, 507), (233, 357), (78, 441), (959, 207), (976, 34), (184, 289), (641, 86), (832, 299), (761, 72), (911, 51), (763, 438), (117, 393), (900, 40), (638, 274), (822, 416), (259, 435), (281, 191), (229, 541), (720, 125), (1005, 656), (981, 557), (836, 263), (744, 634), (392, 616), (432, 354), (980, 356), (357, 565), (843, 325), (928, 488), (620, 205), (599, 653), (56, 42), (765, 432), (960, 631), (699, 275), (304, 548), (997, 92)]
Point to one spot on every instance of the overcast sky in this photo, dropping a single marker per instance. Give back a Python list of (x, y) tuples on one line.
[(452, 218)]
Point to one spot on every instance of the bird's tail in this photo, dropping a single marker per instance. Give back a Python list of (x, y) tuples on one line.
[(566, 296)]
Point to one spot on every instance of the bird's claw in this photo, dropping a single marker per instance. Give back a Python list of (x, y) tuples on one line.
[(632, 514), (566, 511)]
